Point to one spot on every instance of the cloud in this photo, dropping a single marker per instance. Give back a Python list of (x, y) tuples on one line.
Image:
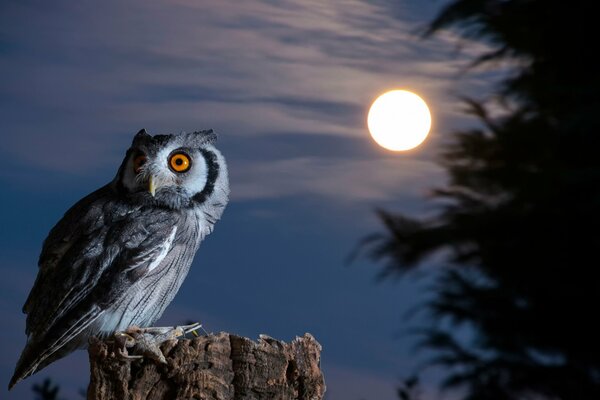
[(338, 180), (244, 68), (289, 70)]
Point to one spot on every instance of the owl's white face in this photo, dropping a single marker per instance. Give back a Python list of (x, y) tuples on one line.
[(173, 169), (172, 166)]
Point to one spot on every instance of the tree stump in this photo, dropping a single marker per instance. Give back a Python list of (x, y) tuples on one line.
[(215, 367)]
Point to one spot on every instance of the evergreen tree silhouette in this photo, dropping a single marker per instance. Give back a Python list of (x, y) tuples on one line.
[(518, 220)]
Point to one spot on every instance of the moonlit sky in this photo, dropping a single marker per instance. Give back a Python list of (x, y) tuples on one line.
[(287, 84)]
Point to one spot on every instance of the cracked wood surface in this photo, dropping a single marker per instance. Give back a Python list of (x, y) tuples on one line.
[(216, 367)]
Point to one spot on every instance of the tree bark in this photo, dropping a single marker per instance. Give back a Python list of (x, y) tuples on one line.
[(216, 367)]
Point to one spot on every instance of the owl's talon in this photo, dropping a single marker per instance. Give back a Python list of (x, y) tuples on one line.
[(193, 329), (123, 341), (146, 342), (124, 354), (125, 336)]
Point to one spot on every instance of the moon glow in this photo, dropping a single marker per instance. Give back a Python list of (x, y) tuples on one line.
[(399, 120)]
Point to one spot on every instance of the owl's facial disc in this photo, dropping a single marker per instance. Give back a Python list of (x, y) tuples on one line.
[(173, 170), (167, 171), (179, 163)]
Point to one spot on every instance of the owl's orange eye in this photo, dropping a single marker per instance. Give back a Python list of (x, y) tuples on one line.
[(138, 162), (179, 162)]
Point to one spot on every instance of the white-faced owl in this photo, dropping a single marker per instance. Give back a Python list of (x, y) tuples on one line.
[(119, 255)]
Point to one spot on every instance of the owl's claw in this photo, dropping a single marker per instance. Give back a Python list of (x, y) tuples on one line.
[(146, 341), (193, 329), (124, 341), (124, 354)]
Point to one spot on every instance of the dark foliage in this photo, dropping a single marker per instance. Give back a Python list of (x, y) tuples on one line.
[(46, 390), (518, 219), (409, 389)]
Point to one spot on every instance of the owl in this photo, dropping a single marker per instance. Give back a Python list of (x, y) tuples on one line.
[(118, 257)]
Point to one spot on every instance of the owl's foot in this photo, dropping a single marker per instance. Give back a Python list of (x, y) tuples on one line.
[(124, 341), (145, 342)]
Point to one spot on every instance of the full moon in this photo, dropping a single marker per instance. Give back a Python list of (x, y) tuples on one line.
[(399, 120)]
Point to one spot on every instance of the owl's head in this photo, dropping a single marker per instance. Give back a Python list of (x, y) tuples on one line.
[(174, 171)]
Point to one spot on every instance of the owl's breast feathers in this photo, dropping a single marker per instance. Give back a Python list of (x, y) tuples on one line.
[(94, 255)]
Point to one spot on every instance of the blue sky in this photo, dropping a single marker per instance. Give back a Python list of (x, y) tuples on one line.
[(287, 85)]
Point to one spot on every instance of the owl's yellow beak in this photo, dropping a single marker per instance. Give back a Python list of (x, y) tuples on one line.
[(151, 186)]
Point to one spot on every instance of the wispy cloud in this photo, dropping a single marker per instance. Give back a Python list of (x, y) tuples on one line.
[(338, 180), (245, 68)]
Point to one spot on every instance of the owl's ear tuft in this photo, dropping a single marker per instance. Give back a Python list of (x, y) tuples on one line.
[(205, 137), (140, 135)]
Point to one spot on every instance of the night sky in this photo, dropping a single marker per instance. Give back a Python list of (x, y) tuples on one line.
[(287, 85)]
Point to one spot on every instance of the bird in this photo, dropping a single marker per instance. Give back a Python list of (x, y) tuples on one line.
[(118, 256)]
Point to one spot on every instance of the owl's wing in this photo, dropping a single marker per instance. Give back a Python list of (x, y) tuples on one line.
[(90, 259), (82, 221)]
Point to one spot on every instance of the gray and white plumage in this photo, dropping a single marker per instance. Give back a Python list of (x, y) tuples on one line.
[(119, 255)]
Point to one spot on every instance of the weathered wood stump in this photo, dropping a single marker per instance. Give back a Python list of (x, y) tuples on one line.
[(216, 367)]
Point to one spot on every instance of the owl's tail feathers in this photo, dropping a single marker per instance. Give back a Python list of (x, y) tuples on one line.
[(58, 341), (34, 358), (27, 365)]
